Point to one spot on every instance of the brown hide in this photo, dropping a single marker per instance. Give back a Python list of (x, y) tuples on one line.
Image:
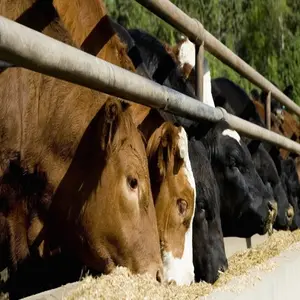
[(110, 163), (287, 127), (172, 192), (44, 119), (88, 24)]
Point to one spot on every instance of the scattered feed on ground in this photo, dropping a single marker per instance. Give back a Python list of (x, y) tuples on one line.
[(123, 285)]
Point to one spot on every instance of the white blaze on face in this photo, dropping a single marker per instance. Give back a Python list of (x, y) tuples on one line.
[(233, 134), (181, 270), (187, 55)]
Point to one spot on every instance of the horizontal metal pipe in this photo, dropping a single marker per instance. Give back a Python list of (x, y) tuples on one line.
[(195, 31), (25, 47)]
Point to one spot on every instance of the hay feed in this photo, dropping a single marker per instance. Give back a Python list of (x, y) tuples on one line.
[(121, 284)]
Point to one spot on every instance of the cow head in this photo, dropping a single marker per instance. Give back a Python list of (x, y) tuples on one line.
[(185, 51), (267, 170), (246, 205), (174, 193), (208, 244), (103, 209)]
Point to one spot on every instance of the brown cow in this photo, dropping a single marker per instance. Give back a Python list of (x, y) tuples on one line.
[(103, 233), (286, 126), (48, 121), (174, 194)]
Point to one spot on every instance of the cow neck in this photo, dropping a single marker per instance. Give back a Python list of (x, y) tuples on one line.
[(89, 26)]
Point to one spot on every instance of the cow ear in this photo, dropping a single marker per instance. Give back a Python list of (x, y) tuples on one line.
[(178, 160), (254, 94), (112, 111), (164, 153), (219, 100), (288, 91), (275, 154), (253, 146)]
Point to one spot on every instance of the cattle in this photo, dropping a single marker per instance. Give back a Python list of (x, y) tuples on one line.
[(101, 208), (172, 182), (209, 257), (208, 246), (153, 57), (235, 100), (285, 161), (81, 209), (292, 187), (286, 126), (94, 42), (144, 39), (174, 194), (246, 205)]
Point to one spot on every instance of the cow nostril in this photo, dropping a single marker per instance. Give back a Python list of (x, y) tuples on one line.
[(223, 268), (172, 282), (159, 277), (290, 212), (272, 205)]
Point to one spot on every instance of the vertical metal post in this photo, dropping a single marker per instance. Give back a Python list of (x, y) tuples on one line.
[(268, 111), (199, 70), (249, 243)]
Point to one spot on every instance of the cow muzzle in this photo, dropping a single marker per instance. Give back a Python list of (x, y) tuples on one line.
[(273, 210)]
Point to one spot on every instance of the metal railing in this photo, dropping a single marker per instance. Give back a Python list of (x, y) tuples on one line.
[(33, 50), (195, 31)]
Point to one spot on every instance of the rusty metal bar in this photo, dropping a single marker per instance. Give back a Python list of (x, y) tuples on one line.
[(268, 111), (199, 70), (35, 51), (195, 31)]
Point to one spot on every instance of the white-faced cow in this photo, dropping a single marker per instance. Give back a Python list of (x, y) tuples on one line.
[(185, 53), (174, 194)]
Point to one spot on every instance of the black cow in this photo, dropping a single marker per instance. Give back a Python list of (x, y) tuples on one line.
[(246, 203), (289, 178), (208, 246), (236, 101)]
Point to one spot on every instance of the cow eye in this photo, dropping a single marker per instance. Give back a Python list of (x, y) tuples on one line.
[(232, 163), (132, 182), (182, 206)]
